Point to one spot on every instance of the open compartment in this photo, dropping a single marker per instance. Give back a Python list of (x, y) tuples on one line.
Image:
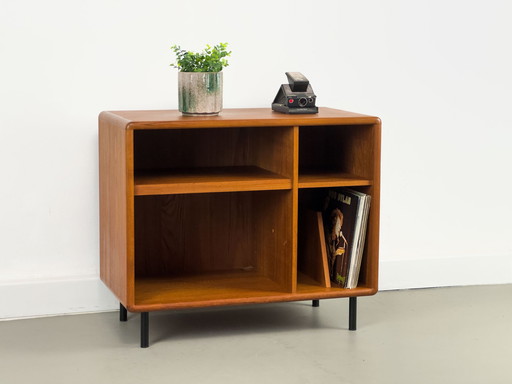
[(336, 156), (213, 160), (312, 259), (212, 249)]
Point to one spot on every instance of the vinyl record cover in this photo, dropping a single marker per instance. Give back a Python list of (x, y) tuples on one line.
[(340, 216)]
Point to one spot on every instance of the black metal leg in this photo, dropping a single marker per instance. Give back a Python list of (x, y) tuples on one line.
[(144, 329), (123, 313), (352, 313), (316, 303)]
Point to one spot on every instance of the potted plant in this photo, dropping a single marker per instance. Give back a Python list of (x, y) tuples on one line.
[(200, 79)]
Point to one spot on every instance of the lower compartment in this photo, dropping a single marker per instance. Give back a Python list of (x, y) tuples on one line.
[(199, 247), (312, 250)]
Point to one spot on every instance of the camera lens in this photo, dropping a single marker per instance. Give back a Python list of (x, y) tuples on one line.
[(310, 100), (303, 102)]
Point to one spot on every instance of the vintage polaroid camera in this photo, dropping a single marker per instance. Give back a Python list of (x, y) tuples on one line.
[(296, 97)]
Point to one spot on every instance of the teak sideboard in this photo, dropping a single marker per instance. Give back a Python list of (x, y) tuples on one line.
[(215, 211)]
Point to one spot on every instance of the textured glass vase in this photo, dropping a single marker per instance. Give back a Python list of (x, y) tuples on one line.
[(200, 93)]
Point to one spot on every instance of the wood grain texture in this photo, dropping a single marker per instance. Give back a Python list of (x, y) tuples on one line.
[(312, 249), (273, 149), (212, 289), (186, 234), (194, 233), (208, 179), (337, 149), (244, 117), (272, 234), (353, 151), (295, 208), (192, 148), (115, 200), (202, 211), (369, 273), (308, 287), (222, 289), (322, 178)]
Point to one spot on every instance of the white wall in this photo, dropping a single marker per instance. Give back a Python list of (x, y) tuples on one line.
[(438, 73)]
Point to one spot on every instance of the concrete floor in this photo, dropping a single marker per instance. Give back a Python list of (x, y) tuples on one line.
[(443, 335)]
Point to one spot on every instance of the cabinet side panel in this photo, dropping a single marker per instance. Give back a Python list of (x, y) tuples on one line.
[(113, 207), (371, 273)]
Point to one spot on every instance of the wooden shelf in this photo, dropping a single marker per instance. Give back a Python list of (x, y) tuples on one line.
[(203, 290), (307, 287), (208, 179), (323, 179)]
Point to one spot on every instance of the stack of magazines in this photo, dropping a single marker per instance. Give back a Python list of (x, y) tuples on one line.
[(345, 216)]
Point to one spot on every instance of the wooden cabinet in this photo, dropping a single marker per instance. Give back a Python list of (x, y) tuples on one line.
[(210, 211)]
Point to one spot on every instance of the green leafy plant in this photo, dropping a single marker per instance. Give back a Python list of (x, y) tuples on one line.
[(209, 60), (340, 279)]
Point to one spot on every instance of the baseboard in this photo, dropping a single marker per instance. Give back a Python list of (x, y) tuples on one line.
[(37, 298), (447, 272), (88, 294)]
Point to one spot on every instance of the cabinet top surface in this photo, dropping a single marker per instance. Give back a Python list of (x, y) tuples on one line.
[(246, 117)]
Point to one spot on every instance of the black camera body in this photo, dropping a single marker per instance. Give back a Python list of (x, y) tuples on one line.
[(296, 97)]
